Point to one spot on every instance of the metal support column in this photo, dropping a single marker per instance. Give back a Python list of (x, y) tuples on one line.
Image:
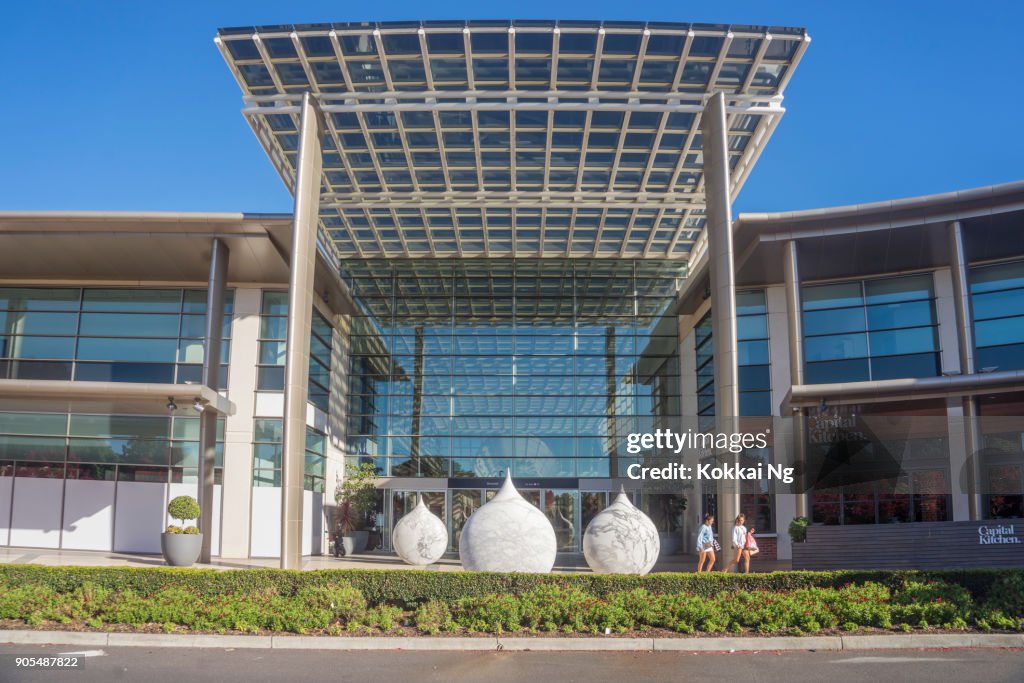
[(965, 348), (308, 168), (794, 308), (723, 296), (216, 289)]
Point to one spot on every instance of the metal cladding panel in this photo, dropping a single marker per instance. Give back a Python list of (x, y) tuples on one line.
[(924, 545)]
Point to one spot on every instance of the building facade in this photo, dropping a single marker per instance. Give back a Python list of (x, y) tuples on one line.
[(512, 246)]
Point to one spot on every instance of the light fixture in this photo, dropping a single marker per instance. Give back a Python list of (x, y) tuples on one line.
[(198, 405), (171, 405)]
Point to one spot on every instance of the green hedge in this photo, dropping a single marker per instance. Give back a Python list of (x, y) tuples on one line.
[(411, 587)]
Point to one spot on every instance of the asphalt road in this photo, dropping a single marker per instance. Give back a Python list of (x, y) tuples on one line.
[(176, 665)]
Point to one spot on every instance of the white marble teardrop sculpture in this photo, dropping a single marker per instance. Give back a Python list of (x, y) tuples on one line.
[(420, 538), (621, 539), (508, 535)]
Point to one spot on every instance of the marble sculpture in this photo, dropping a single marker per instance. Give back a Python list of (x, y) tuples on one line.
[(508, 534), (420, 537), (621, 539)]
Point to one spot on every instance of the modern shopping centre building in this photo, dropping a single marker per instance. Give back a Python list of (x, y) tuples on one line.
[(512, 245)]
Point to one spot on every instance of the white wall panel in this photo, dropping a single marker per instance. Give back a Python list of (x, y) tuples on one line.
[(35, 520), (88, 515), (316, 523), (139, 516), (6, 490), (308, 523), (269, 405), (265, 539)]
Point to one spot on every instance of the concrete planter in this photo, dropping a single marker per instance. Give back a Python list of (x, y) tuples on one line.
[(181, 550), (669, 542), (355, 542)]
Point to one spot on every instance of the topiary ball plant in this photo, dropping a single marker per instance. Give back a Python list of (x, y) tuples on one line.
[(183, 508)]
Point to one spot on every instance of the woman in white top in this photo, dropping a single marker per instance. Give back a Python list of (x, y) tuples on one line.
[(739, 545)]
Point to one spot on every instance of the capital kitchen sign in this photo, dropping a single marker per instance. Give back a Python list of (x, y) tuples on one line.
[(1001, 534)]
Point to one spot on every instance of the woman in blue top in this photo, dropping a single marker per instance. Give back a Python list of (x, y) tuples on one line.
[(706, 544)]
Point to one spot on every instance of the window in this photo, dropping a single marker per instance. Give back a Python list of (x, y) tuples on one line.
[(273, 341), (124, 447), (918, 492), (870, 330), (108, 335), (705, 373), (997, 301), (754, 363), (268, 436)]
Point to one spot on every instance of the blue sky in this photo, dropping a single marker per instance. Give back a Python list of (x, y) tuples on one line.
[(114, 105)]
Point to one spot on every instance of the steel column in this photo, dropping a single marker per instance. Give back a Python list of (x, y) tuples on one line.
[(723, 294), (300, 304), (965, 349), (216, 289), (794, 308)]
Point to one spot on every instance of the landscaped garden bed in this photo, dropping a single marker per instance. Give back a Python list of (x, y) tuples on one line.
[(381, 602)]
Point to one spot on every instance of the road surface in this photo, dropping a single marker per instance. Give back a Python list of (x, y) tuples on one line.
[(177, 665)]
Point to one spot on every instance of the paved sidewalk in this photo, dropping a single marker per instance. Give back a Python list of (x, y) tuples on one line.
[(567, 562), (518, 643)]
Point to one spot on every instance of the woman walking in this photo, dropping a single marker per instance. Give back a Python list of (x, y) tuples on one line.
[(706, 544), (739, 545)]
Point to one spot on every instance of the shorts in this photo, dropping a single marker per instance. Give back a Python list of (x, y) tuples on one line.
[(707, 547)]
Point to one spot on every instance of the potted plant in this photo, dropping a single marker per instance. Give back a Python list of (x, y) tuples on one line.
[(798, 529), (356, 498), (181, 545)]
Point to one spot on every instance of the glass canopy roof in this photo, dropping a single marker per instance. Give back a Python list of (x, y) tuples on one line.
[(513, 138)]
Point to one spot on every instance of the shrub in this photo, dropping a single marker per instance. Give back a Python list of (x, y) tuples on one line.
[(798, 529), (932, 602), (410, 587), (192, 531), (434, 602), (174, 529), (386, 617), (341, 601), (1007, 595), (866, 605), (433, 617)]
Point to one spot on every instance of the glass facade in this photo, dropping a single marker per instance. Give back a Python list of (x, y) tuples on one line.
[(268, 435), (469, 368), (155, 448), (107, 334), (997, 301), (273, 340), (755, 399), (870, 330)]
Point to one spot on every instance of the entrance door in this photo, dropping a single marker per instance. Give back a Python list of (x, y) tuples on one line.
[(402, 503)]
